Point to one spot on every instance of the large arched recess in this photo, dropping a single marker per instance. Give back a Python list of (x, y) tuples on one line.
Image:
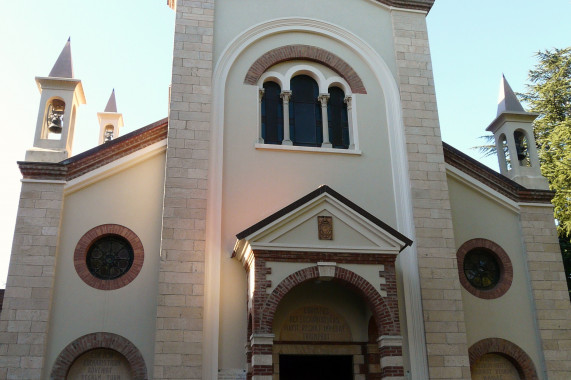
[(399, 163), (385, 316)]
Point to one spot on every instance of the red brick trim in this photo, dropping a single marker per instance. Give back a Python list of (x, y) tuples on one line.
[(506, 269), (309, 53), (386, 316), (492, 179), (80, 254), (101, 155), (507, 349), (100, 340)]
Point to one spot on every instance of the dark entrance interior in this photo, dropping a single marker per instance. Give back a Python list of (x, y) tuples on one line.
[(316, 367)]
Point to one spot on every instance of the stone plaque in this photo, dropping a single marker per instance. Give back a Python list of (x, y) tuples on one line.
[(494, 367), (325, 227), (315, 323), (100, 364)]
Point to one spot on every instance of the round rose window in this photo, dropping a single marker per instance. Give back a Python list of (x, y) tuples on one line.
[(482, 269), (110, 257)]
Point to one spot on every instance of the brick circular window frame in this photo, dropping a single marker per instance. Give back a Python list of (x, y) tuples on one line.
[(309, 53), (100, 340), (90, 237), (508, 350), (506, 269)]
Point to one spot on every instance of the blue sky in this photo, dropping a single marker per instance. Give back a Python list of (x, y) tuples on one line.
[(127, 45)]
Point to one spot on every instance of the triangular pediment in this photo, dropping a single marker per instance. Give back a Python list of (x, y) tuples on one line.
[(322, 221)]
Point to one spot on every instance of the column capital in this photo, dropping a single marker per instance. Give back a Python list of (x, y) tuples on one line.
[(285, 95), (348, 100), (323, 99), (265, 339), (389, 341), (261, 92)]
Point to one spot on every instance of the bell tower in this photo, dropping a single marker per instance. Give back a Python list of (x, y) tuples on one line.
[(110, 121), (515, 143), (61, 95)]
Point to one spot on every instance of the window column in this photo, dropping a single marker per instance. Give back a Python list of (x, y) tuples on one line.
[(323, 99), (286, 95), (261, 92), (348, 100)]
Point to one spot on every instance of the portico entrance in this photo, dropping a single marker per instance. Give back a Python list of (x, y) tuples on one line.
[(322, 294)]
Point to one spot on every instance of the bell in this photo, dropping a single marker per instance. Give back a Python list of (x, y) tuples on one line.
[(55, 125), (521, 150)]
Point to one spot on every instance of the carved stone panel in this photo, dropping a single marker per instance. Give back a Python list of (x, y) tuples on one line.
[(325, 227), (100, 364), (315, 323), (494, 367)]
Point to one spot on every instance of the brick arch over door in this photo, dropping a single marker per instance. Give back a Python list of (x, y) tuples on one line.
[(386, 316), (507, 349), (100, 340), (309, 53)]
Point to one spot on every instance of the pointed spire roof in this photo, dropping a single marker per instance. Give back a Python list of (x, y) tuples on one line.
[(63, 68), (111, 103), (507, 100)]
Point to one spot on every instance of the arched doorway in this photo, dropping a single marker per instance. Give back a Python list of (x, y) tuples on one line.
[(321, 317), (321, 332)]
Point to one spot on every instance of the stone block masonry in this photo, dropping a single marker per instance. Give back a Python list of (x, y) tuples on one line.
[(25, 315), (445, 330), (179, 328), (549, 289)]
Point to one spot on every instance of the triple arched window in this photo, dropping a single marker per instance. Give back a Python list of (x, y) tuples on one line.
[(303, 116)]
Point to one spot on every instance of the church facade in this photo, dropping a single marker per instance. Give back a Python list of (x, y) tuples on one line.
[(296, 216)]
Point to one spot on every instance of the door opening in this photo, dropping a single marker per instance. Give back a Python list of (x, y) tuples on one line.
[(316, 367)]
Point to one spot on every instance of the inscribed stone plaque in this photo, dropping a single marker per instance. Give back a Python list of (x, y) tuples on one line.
[(315, 323), (100, 364), (494, 367)]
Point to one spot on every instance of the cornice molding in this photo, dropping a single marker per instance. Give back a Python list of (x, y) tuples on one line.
[(492, 179), (97, 157)]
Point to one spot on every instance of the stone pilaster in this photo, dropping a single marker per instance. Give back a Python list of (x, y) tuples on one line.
[(441, 296), (549, 288), (179, 331), (26, 309)]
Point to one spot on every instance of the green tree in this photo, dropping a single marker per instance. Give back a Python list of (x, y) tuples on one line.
[(549, 94)]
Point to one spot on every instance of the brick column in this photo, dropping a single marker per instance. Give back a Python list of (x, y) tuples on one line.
[(179, 328), (390, 352), (440, 288), (25, 314), (262, 361), (549, 288)]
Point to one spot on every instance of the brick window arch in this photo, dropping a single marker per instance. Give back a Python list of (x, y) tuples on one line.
[(502, 259), (92, 236), (308, 53), (518, 357), (95, 341)]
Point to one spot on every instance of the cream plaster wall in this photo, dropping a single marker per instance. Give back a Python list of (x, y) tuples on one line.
[(368, 20), (248, 195), (510, 316), (132, 198)]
